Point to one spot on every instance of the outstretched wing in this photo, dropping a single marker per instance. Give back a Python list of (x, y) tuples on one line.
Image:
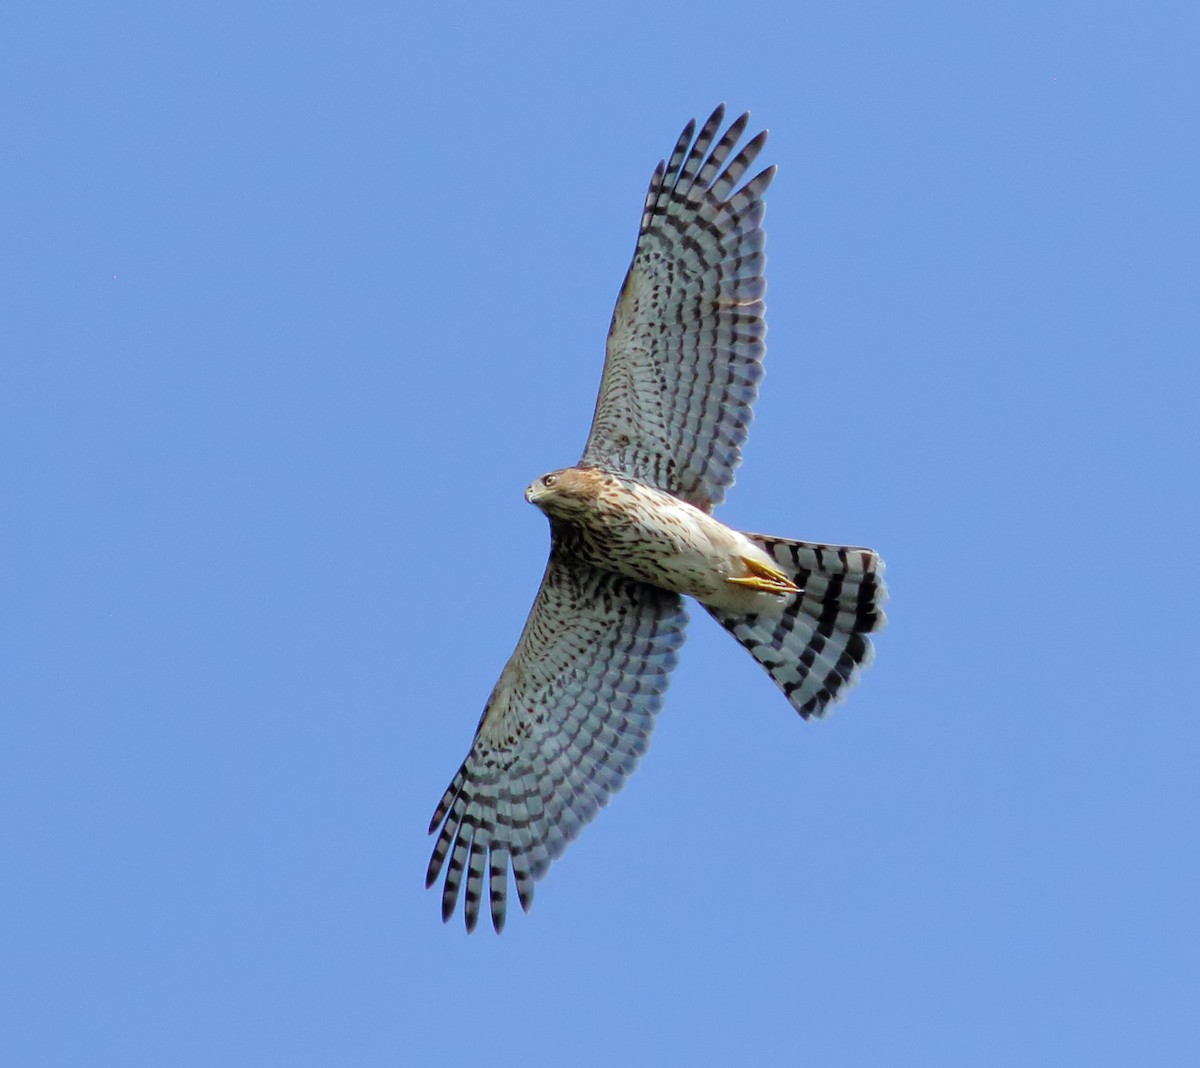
[(565, 725), (685, 347)]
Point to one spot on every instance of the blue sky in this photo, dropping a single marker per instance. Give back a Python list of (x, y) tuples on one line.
[(296, 301)]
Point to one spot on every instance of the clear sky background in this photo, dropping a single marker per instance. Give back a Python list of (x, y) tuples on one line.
[(295, 300)]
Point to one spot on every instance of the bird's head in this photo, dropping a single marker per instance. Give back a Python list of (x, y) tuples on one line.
[(565, 494)]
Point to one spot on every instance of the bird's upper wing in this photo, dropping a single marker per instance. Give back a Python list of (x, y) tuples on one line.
[(565, 725), (685, 347)]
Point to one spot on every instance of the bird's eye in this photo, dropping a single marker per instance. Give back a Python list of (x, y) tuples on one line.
[(549, 480)]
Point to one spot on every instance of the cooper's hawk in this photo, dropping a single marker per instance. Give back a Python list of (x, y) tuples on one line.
[(631, 530)]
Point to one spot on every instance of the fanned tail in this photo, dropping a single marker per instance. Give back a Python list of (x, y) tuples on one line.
[(815, 644)]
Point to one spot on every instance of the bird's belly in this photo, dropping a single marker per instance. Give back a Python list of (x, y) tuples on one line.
[(659, 558), (658, 539)]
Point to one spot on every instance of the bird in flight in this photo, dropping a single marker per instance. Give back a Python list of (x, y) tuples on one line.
[(632, 533)]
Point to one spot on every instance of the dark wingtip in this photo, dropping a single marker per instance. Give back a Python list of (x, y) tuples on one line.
[(755, 144), (525, 895)]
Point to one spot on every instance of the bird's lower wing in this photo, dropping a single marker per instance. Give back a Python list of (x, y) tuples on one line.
[(565, 725)]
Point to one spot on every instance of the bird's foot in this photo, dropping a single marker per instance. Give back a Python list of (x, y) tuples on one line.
[(764, 578)]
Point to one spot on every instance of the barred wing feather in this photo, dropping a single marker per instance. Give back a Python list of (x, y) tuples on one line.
[(685, 348), (565, 725)]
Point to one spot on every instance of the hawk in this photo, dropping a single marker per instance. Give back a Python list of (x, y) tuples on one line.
[(632, 533)]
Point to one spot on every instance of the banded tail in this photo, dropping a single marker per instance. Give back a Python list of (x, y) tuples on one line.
[(814, 646)]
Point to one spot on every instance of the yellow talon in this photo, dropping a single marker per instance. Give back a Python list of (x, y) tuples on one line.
[(764, 578)]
